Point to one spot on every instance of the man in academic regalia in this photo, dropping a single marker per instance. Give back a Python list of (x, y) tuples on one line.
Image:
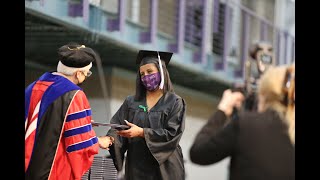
[(59, 140)]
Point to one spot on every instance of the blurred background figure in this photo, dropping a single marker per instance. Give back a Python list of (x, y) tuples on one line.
[(262, 57), (261, 144)]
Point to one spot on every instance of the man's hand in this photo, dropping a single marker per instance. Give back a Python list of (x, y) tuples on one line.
[(105, 142)]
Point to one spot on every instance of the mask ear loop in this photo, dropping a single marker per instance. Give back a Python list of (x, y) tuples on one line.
[(161, 72)]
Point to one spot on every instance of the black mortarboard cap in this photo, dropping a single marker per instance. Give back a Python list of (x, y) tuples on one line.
[(165, 56), (75, 55)]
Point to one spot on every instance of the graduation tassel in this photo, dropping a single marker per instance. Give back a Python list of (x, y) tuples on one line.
[(161, 73)]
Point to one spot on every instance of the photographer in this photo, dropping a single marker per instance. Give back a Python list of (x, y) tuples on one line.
[(260, 144)]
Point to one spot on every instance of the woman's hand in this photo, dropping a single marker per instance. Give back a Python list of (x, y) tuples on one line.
[(134, 131)]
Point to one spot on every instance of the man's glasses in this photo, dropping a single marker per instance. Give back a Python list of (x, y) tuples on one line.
[(88, 74)]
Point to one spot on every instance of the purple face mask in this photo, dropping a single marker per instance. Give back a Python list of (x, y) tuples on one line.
[(151, 81)]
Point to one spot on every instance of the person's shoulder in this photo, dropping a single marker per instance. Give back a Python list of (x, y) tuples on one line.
[(173, 95), (76, 95), (248, 116), (129, 98), (255, 118), (255, 114), (175, 98)]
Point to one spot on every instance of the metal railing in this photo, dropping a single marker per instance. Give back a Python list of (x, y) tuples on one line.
[(102, 169)]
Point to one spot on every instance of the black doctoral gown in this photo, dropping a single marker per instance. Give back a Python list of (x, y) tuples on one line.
[(158, 156)]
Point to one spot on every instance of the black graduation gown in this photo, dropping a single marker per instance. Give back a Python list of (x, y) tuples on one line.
[(158, 156)]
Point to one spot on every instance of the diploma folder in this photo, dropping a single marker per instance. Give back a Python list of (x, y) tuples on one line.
[(118, 127)]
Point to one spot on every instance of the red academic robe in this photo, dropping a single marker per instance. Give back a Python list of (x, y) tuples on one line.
[(60, 142)]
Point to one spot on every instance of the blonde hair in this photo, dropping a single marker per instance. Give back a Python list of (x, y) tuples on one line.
[(277, 87)]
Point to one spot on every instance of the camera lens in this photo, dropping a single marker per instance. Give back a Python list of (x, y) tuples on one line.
[(266, 59)]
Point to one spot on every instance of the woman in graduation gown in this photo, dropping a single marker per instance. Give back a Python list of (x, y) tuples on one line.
[(156, 116)]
